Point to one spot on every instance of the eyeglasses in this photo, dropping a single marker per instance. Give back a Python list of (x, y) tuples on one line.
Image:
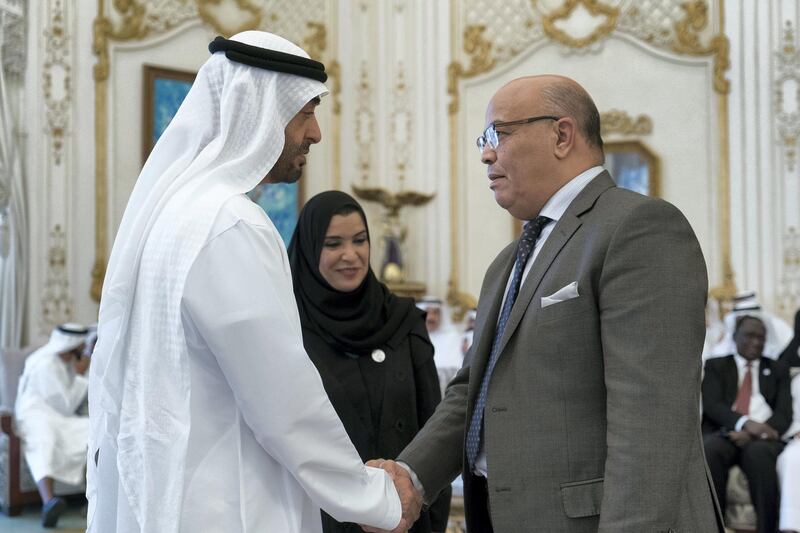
[(489, 136)]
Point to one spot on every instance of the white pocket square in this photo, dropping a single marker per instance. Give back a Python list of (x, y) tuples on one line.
[(564, 293)]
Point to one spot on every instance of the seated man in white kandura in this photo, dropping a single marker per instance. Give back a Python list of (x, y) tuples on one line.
[(51, 390)]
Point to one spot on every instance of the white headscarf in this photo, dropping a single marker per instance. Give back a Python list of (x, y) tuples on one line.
[(226, 136), (779, 333), (65, 338)]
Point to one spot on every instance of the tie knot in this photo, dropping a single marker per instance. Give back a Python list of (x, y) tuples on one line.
[(534, 227), (528, 239)]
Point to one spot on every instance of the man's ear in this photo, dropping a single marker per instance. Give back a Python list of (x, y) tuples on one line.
[(566, 130)]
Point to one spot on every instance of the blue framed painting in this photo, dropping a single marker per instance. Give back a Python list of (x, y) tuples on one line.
[(633, 166), (164, 91)]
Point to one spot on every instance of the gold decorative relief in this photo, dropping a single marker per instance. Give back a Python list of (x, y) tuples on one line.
[(56, 300), (136, 20), (595, 8), (364, 124), (620, 122), (688, 42), (401, 124), (787, 96), (57, 81), (479, 50), (335, 84), (248, 15), (315, 42)]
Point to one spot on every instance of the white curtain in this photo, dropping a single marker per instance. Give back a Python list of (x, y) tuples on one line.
[(13, 220)]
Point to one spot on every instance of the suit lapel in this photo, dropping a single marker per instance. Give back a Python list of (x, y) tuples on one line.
[(731, 377), (766, 381), (561, 234), (487, 318)]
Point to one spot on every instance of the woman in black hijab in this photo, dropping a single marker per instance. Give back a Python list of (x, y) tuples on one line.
[(370, 347), (791, 355)]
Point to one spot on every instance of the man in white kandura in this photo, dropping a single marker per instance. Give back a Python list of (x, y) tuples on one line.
[(445, 338), (206, 413), (51, 390)]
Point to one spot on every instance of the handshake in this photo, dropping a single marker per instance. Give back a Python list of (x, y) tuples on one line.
[(410, 498)]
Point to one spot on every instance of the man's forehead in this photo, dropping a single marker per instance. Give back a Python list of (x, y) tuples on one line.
[(751, 322), (511, 103)]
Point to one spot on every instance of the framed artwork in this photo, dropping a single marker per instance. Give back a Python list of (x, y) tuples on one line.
[(633, 166), (164, 91), (281, 202)]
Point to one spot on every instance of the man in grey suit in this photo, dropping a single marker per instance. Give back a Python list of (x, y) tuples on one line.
[(578, 407)]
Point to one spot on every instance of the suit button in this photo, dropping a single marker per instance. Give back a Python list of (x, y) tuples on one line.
[(499, 409), (399, 425)]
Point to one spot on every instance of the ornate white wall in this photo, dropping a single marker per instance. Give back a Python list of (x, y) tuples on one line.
[(389, 121), (765, 162)]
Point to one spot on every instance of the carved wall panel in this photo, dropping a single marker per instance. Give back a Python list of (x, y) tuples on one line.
[(629, 55)]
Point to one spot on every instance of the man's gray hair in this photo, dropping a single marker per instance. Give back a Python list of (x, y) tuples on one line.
[(570, 100)]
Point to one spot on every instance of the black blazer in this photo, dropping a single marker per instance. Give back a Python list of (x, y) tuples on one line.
[(721, 384), (383, 405)]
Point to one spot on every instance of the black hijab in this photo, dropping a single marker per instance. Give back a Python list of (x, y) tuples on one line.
[(790, 355), (358, 321)]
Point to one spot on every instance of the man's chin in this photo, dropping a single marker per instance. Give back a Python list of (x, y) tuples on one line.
[(291, 176)]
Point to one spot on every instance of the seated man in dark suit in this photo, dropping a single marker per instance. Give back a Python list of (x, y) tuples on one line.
[(747, 405)]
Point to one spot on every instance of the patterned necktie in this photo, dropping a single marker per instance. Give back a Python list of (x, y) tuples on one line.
[(742, 404), (525, 247)]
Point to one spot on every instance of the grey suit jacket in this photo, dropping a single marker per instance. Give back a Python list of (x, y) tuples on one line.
[(592, 419)]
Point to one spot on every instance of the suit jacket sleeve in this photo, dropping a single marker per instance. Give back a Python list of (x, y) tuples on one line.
[(444, 433), (428, 397), (651, 300), (781, 417), (716, 408)]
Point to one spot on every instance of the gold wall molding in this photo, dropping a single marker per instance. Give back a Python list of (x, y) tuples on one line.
[(595, 8), (680, 26), (252, 14), (57, 80), (786, 101), (620, 122), (57, 305), (401, 126), (479, 50), (364, 124), (136, 20), (687, 41)]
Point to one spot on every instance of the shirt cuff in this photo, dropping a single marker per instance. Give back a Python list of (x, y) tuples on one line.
[(414, 480), (741, 422)]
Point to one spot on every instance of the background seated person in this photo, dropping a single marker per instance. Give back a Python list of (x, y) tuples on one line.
[(791, 355), (746, 407), (51, 389), (445, 337)]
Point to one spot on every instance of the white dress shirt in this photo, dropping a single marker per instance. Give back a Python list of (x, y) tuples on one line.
[(759, 409)]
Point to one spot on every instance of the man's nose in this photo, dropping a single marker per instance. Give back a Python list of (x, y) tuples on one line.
[(314, 134), (488, 155)]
